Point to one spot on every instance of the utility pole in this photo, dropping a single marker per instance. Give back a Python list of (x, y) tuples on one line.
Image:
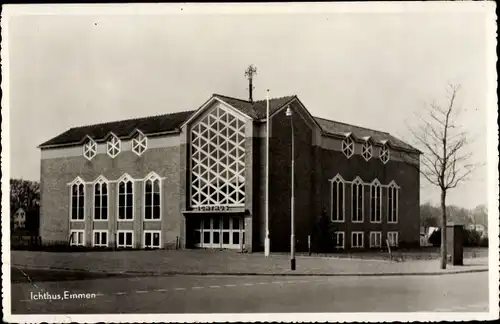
[(289, 113), (267, 242), (249, 73)]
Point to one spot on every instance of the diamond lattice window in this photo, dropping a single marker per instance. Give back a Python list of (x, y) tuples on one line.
[(114, 146), (366, 151), (139, 144), (218, 160), (384, 154), (348, 147), (89, 149)]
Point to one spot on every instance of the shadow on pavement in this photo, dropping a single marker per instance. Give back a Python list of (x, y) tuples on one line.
[(37, 275)]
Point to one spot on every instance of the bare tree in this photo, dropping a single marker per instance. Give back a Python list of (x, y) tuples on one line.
[(445, 158)]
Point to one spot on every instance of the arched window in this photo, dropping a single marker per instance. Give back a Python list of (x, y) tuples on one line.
[(114, 146), (101, 199), (152, 193), (338, 207), (77, 200), (392, 203), (375, 202), (384, 153), (89, 149), (357, 200), (126, 198), (139, 144), (348, 147), (366, 151)]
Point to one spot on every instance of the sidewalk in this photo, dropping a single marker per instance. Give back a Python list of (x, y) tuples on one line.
[(200, 262)]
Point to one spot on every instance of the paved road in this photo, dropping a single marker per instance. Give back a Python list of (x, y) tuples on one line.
[(240, 294)]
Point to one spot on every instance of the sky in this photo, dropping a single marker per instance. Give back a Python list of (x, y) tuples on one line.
[(375, 69)]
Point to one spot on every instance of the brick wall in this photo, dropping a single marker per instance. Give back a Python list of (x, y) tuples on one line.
[(314, 166), (405, 176), (280, 178), (56, 173)]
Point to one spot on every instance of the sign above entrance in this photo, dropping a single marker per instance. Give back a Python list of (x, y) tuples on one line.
[(211, 208)]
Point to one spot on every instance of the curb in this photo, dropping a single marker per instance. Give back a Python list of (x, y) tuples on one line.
[(270, 274)]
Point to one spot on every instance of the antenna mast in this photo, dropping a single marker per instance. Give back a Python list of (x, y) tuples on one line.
[(249, 73)]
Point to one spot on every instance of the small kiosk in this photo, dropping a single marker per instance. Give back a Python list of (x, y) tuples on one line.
[(454, 243)]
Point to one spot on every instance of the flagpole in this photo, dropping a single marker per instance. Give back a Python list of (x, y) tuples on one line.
[(267, 248)]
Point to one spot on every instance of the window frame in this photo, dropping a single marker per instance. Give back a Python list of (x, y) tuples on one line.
[(348, 144), (393, 243), (359, 183), (360, 233), (124, 245), (100, 181), (384, 154), (125, 178), (89, 146), (78, 181), (394, 208), (373, 240), (367, 148), (152, 177), (77, 231), (152, 232), (335, 240), (336, 181), (375, 184), (94, 232), (217, 140), (113, 143), (139, 140)]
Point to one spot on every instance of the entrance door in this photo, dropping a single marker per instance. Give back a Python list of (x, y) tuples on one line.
[(220, 231)]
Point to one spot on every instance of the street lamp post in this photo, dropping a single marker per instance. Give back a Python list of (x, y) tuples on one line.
[(292, 202), (267, 245)]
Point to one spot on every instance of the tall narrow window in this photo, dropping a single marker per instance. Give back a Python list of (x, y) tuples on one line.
[(89, 149), (357, 201), (152, 198), (101, 200), (139, 144), (77, 201), (338, 199), (348, 147), (375, 202), (113, 146), (384, 153), (366, 151), (125, 199), (392, 203)]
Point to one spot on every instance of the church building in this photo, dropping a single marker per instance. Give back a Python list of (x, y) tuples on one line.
[(197, 179)]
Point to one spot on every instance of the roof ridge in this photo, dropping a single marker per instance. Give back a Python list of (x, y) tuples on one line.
[(370, 129), (229, 97), (276, 98), (132, 119)]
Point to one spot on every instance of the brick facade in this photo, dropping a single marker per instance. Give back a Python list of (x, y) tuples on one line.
[(57, 173), (318, 159)]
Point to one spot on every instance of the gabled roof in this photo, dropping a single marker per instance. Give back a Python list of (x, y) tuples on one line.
[(257, 109), (172, 123), (122, 129), (338, 128)]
